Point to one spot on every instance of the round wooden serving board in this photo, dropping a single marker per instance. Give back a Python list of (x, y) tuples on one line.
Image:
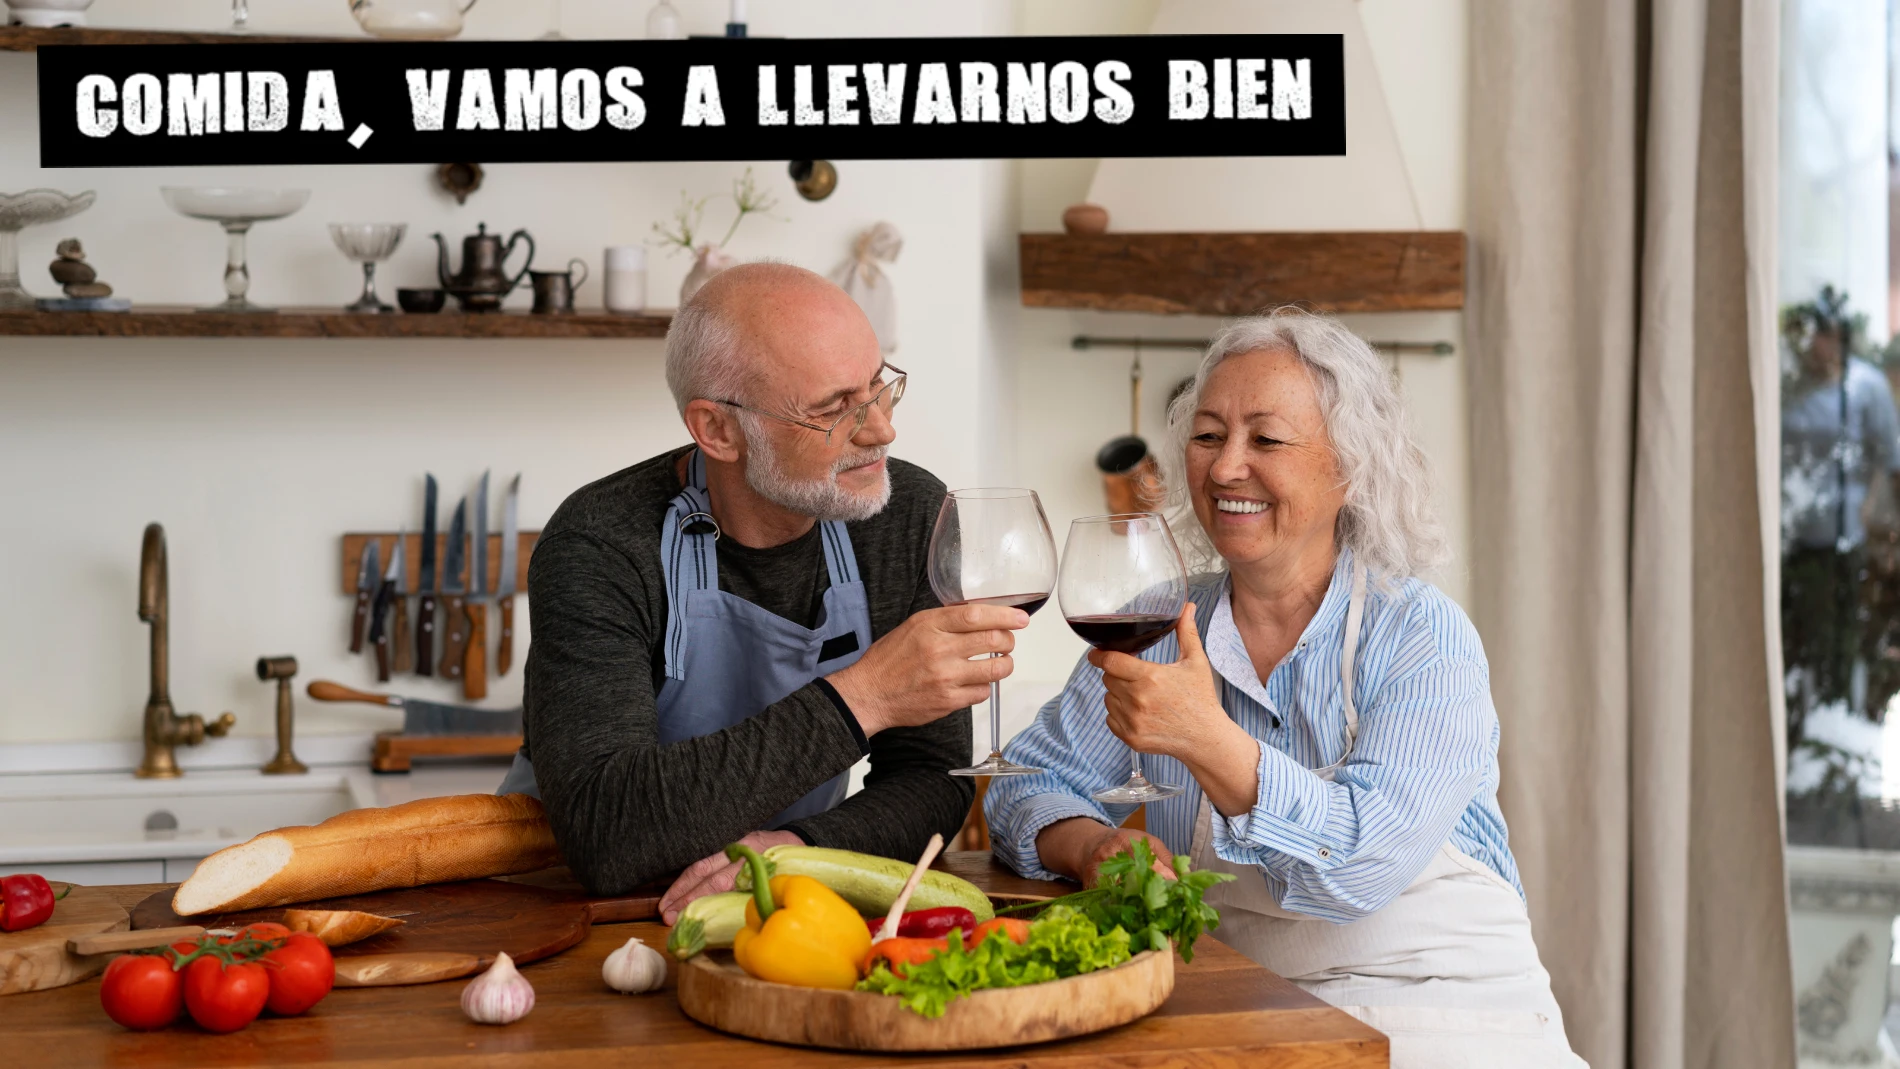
[(716, 992), (37, 958), (448, 929)]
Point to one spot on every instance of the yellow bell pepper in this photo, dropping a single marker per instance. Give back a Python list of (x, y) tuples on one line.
[(798, 931)]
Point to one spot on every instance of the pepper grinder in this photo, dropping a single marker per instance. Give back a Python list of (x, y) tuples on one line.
[(281, 669)]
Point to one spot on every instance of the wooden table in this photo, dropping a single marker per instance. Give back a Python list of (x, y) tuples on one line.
[(1225, 1011)]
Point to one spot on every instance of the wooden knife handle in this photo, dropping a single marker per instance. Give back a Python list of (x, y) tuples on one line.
[(115, 942), (325, 691), (505, 649), (475, 657), (358, 620), (405, 640), (454, 636), (382, 657), (425, 636)]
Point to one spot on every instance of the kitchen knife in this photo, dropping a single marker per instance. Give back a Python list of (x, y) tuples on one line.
[(405, 657), (425, 609), (505, 585), (423, 717), (379, 613), (475, 656), (366, 577), (454, 591)]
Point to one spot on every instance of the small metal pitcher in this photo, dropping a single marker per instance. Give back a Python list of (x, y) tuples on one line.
[(554, 290)]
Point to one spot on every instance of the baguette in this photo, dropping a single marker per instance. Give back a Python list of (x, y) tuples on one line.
[(432, 840)]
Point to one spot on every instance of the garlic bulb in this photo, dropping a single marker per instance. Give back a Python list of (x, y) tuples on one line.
[(634, 968), (499, 996)]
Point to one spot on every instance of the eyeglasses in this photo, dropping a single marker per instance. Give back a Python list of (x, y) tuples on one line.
[(884, 400)]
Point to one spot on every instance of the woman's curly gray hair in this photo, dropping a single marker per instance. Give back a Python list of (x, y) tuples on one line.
[(1388, 520)]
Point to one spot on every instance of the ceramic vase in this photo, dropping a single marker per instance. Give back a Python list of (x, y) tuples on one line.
[(708, 261)]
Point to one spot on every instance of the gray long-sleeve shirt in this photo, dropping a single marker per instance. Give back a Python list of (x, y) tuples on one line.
[(627, 809)]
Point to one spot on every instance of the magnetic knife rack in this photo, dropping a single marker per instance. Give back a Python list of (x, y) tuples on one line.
[(394, 750), (355, 542)]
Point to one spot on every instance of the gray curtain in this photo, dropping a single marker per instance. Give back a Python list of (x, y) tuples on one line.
[(1623, 385)]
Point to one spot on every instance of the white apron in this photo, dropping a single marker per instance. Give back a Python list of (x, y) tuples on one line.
[(1447, 970)]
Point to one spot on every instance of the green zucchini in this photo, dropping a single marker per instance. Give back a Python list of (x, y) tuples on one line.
[(871, 883), (709, 921)]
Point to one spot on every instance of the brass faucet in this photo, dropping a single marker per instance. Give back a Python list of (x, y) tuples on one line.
[(164, 728)]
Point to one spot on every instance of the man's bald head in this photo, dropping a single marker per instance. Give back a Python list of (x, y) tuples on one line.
[(754, 332)]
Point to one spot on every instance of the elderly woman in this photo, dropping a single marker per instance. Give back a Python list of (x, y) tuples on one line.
[(1334, 728)]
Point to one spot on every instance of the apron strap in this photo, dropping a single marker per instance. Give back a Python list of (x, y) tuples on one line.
[(1355, 610), (689, 555)]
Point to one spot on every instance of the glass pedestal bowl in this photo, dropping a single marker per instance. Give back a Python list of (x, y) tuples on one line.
[(17, 212), (235, 210), (368, 244)]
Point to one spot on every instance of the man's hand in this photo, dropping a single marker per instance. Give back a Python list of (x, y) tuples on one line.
[(1077, 847), (711, 875), (923, 670)]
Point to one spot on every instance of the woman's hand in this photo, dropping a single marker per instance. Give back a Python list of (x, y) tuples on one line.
[(1076, 848), (1174, 709), (1171, 709)]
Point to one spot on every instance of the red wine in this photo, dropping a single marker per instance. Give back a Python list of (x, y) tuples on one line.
[(1123, 632), (1028, 603)]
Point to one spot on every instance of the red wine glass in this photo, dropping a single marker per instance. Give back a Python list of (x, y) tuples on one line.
[(1123, 587), (993, 547)]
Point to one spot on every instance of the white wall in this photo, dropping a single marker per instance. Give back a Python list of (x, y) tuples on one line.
[(257, 455), (1069, 403)]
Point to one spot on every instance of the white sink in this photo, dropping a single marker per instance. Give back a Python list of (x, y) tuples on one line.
[(112, 827)]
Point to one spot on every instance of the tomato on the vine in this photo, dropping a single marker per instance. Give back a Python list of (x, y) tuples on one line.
[(141, 991), (301, 974), (225, 998)]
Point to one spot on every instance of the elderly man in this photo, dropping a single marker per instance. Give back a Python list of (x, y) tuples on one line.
[(722, 631)]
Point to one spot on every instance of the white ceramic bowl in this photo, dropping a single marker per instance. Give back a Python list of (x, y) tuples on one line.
[(224, 205), (48, 12)]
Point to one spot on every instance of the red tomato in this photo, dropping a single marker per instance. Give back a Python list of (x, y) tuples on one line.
[(140, 991), (301, 973), (225, 998)]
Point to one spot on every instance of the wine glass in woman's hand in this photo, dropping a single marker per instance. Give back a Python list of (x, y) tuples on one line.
[(993, 547), (1122, 588)]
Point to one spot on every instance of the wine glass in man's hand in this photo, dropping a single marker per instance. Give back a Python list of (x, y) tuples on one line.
[(993, 547), (1123, 587)]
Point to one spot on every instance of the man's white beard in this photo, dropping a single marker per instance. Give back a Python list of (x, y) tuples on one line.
[(822, 499)]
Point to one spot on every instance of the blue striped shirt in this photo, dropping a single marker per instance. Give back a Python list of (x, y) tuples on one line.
[(1424, 770)]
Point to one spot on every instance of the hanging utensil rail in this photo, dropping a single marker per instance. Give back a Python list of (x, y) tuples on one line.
[(1086, 342)]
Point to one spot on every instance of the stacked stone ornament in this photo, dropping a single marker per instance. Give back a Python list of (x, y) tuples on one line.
[(84, 291)]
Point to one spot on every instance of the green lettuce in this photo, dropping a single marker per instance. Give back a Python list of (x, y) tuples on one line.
[(1062, 942)]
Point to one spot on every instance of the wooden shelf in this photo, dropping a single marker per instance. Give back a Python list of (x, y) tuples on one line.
[(167, 321), (1238, 274), (30, 39)]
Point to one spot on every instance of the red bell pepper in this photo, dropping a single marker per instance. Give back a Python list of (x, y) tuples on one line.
[(1013, 928), (26, 901), (929, 923)]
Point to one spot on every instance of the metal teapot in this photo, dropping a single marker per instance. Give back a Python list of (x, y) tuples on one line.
[(411, 19), (482, 283)]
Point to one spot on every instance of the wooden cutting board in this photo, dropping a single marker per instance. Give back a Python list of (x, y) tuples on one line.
[(37, 958), (448, 930), (714, 991)]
